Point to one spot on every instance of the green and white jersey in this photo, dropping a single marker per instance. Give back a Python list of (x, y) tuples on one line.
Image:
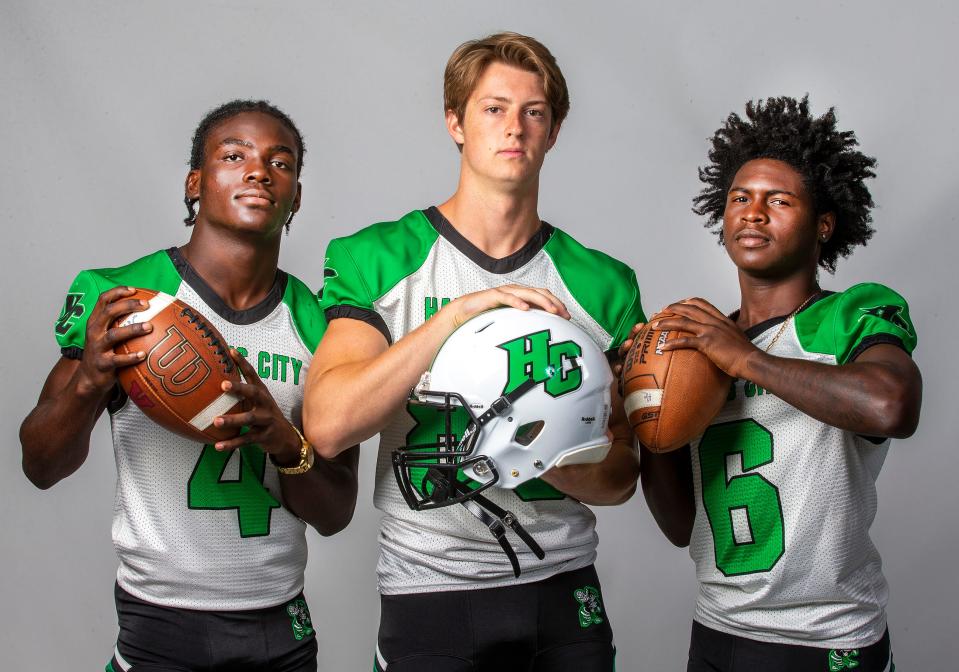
[(396, 275), (784, 502), (195, 528)]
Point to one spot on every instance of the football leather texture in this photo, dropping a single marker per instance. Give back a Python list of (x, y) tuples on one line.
[(177, 385), (670, 395)]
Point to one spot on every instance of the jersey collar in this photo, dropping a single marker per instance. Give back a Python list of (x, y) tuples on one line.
[(755, 330), (499, 266), (219, 306)]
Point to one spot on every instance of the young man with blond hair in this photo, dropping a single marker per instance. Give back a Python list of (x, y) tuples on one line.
[(451, 598)]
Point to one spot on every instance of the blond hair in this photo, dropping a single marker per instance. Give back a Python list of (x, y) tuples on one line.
[(471, 59)]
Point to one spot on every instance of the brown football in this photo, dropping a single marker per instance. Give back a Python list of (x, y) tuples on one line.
[(670, 395), (177, 385)]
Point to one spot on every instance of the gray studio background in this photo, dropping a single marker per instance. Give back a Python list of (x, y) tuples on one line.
[(99, 103)]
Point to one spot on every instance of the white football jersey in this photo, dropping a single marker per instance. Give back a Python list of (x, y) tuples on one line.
[(395, 275), (784, 502), (195, 528)]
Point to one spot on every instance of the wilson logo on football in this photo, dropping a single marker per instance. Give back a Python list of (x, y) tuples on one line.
[(177, 364)]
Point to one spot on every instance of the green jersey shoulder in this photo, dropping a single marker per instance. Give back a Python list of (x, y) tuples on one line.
[(361, 268), (158, 272), (846, 323), (154, 271), (605, 287), (304, 307)]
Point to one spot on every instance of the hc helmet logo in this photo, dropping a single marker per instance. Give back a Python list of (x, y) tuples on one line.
[(535, 356), (177, 364)]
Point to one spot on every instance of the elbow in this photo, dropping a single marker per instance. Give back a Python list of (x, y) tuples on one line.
[(38, 480), (326, 427), (41, 478), (622, 495), (321, 436), (34, 467), (679, 539), (616, 488), (325, 447), (328, 528), (335, 521), (676, 526), (895, 402), (898, 415)]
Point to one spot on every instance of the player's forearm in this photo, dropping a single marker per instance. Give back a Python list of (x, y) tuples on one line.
[(325, 496), (870, 398), (668, 488), (55, 437), (349, 403)]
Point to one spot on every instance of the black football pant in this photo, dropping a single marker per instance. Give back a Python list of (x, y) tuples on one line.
[(714, 651), (558, 624), (154, 638)]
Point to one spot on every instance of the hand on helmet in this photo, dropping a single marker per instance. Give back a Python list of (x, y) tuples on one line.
[(516, 296)]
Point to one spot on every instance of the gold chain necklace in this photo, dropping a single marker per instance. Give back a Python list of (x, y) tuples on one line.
[(789, 317)]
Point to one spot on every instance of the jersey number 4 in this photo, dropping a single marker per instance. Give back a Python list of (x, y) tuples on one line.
[(744, 511), (253, 503)]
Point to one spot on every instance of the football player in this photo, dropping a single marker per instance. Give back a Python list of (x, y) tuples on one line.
[(210, 538), (450, 598), (776, 497)]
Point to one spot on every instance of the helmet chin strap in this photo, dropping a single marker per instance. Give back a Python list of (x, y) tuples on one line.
[(502, 404), (497, 520)]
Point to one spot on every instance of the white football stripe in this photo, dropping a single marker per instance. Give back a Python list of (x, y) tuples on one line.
[(645, 398), (218, 406), (124, 665), (157, 303)]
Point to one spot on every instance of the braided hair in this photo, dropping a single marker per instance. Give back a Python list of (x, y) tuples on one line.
[(228, 111)]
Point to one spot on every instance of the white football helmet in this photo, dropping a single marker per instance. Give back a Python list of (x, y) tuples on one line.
[(509, 395)]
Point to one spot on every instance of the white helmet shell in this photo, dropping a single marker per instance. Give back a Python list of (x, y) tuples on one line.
[(558, 417)]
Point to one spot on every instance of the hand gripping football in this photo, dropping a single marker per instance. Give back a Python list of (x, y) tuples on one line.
[(670, 395), (177, 385)]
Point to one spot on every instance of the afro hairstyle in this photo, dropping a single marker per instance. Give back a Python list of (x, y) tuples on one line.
[(833, 170)]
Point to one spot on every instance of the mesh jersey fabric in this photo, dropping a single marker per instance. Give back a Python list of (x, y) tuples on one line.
[(401, 273), (194, 528)]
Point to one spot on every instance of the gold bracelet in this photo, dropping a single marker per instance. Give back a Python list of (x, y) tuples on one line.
[(306, 457)]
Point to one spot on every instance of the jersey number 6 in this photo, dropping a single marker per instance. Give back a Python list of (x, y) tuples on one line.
[(744, 511)]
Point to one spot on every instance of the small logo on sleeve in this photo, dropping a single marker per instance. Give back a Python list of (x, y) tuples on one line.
[(72, 311), (891, 314), (328, 270)]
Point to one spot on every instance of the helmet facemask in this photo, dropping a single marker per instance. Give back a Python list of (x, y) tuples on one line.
[(427, 472)]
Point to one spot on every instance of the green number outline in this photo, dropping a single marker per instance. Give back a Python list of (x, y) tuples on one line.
[(206, 491), (715, 501)]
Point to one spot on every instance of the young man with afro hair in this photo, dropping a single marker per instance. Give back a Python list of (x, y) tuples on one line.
[(776, 497)]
